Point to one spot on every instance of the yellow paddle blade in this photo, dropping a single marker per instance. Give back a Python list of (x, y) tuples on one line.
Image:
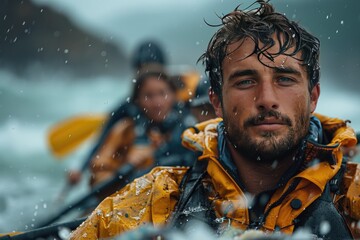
[(66, 136), (9, 234)]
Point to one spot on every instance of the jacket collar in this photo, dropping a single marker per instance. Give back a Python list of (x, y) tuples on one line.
[(317, 148)]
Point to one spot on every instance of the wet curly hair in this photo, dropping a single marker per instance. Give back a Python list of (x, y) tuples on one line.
[(261, 25)]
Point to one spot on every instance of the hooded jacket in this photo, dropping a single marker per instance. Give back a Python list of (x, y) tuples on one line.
[(153, 198)]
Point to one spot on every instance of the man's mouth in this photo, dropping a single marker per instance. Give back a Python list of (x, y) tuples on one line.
[(270, 121)]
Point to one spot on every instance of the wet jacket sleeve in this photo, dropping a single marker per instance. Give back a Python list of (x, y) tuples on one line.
[(147, 200)]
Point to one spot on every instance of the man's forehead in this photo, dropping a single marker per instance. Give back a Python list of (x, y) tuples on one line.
[(246, 45), (244, 48)]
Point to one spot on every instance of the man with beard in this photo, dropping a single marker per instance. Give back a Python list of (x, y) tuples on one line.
[(268, 162)]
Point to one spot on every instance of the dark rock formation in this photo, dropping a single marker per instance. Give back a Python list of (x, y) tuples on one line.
[(32, 35)]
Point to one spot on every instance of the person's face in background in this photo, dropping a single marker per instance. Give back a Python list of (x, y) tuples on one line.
[(156, 98)]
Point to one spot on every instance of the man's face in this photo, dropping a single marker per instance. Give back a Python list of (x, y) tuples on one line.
[(156, 98), (266, 110)]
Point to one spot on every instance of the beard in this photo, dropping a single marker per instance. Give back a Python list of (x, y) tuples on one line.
[(273, 146)]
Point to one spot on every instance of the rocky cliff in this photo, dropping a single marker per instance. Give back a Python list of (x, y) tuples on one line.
[(37, 37)]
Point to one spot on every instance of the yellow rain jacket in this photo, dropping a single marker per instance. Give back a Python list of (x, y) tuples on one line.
[(153, 197)]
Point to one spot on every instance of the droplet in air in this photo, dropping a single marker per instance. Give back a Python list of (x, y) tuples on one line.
[(325, 227)]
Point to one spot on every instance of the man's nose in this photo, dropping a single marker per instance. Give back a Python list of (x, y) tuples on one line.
[(266, 97)]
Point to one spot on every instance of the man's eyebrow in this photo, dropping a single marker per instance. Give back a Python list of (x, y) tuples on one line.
[(241, 73), (288, 70)]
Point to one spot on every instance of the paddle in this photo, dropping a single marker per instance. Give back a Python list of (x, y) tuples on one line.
[(120, 178), (66, 136)]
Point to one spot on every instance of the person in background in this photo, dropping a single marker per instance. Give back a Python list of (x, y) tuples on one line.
[(149, 138), (147, 53), (267, 163)]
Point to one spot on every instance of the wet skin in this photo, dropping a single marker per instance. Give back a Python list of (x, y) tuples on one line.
[(266, 110)]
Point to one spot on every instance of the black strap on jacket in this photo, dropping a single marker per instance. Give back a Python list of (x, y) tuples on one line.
[(323, 219), (193, 205)]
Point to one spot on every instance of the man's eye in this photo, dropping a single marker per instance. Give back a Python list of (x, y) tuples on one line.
[(244, 83), (285, 81)]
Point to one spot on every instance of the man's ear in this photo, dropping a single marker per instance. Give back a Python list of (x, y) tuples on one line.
[(216, 102), (314, 97)]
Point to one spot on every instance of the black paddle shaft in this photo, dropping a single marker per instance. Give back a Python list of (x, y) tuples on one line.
[(119, 179)]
